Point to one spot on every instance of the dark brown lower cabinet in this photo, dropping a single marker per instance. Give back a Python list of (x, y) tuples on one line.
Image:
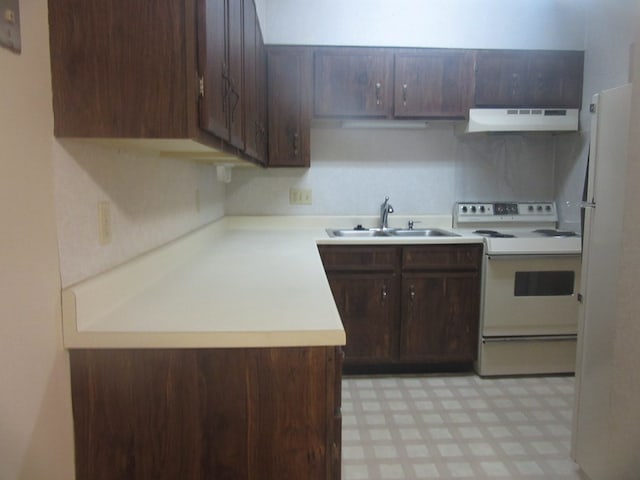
[(270, 413), (439, 320), (406, 308), (367, 304)]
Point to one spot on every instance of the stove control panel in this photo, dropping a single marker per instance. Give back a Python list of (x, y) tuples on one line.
[(496, 212)]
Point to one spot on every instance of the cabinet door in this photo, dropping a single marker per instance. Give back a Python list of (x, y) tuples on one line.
[(289, 116), (235, 97), (367, 304), (530, 78), (250, 80), (439, 316), (262, 144), (201, 414), (433, 83), (213, 66), (555, 79), (118, 69), (501, 79), (353, 83)]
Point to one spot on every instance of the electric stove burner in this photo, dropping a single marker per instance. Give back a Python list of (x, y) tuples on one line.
[(555, 233), (493, 234)]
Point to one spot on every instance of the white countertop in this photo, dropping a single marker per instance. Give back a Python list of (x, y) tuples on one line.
[(239, 282)]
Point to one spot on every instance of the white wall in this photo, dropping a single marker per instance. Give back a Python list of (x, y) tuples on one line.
[(608, 36), (36, 438), (544, 24), (423, 172)]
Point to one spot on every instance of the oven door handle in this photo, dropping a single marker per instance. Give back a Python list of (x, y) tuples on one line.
[(531, 338)]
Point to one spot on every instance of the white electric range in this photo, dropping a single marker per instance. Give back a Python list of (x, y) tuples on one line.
[(531, 274)]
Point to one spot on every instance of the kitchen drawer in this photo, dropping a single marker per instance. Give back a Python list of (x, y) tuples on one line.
[(442, 257), (360, 258)]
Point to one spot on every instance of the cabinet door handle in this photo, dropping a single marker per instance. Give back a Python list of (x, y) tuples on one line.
[(404, 94), (515, 84), (385, 294), (412, 293), (225, 87), (236, 99), (296, 143), (378, 90)]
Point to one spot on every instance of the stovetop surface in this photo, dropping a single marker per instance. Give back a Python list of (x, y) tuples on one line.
[(516, 228)]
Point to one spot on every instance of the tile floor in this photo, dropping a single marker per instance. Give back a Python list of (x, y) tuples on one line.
[(457, 427)]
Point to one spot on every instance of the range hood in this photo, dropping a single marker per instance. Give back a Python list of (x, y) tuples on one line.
[(521, 120)]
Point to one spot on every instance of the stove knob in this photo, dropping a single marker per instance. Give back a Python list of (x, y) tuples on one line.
[(539, 208), (530, 208), (548, 208), (464, 209), (482, 209), (473, 209)]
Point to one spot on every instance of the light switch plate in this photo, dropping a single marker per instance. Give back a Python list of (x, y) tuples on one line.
[(10, 25), (299, 196)]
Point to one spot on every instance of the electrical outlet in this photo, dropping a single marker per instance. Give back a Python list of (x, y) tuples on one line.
[(104, 223), (299, 196)]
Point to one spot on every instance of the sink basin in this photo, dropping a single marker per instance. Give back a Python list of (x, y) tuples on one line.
[(352, 233), (423, 232), (377, 232)]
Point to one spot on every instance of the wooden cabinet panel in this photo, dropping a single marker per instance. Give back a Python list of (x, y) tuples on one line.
[(442, 257), (440, 314), (220, 31), (433, 83), (149, 72), (367, 303), (236, 94), (361, 258), (555, 79), (262, 143), (250, 75), (246, 414), (213, 65), (120, 70), (417, 304), (501, 79), (519, 78), (353, 82), (289, 82)]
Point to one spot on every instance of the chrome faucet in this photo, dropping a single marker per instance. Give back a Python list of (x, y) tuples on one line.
[(385, 210)]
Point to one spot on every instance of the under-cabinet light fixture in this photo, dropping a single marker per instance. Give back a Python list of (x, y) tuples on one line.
[(386, 124)]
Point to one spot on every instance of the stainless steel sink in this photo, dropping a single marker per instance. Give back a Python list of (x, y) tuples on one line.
[(423, 232), (377, 232), (353, 233)]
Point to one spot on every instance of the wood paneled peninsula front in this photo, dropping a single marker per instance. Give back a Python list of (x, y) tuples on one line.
[(216, 356)]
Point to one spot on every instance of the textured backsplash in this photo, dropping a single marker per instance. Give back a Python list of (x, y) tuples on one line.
[(422, 171), (152, 201)]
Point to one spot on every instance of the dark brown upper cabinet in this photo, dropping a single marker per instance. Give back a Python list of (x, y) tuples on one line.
[(529, 78), (165, 75), (254, 74), (353, 82), (433, 83), (289, 109), (220, 61)]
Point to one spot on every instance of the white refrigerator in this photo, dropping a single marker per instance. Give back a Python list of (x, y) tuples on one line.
[(602, 238)]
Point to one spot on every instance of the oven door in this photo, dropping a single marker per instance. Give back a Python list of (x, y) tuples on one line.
[(529, 295)]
